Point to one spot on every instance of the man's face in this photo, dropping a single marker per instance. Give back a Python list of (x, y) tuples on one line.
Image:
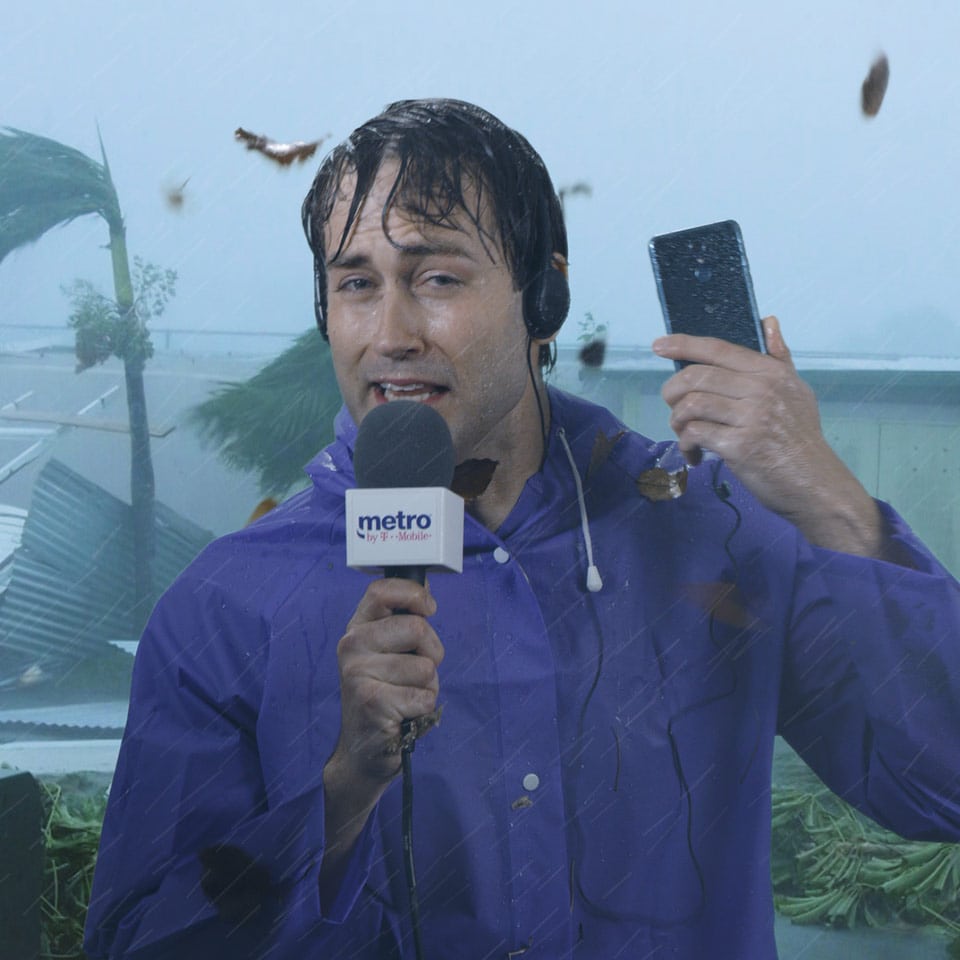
[(429, 317)]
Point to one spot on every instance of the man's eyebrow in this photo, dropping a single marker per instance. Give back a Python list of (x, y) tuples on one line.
[(350, 262), (354, 260)]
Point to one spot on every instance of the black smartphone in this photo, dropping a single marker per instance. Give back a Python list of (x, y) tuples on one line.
[(704, 285)]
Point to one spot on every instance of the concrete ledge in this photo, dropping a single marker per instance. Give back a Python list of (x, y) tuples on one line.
[(57, 757)]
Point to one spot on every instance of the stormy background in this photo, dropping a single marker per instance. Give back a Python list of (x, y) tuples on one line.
[(650, 117), (673, 114)]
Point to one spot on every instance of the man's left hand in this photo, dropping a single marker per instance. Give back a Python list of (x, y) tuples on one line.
[(756, 413)]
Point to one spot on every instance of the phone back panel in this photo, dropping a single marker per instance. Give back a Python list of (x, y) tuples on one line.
[(703, 281)]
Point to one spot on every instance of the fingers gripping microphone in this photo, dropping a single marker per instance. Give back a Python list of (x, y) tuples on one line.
[(402, 517)]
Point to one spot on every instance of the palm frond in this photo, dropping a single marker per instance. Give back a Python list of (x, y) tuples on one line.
[(276, 421), (44, 184)]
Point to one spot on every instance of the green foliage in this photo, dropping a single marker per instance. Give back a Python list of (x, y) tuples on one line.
[(275, 422), (103, 330), (71, 835), (44, 184), (829, 864), (590, 330), (832, 866)]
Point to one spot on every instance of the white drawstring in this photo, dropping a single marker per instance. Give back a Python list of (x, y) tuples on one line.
[(594, 583)]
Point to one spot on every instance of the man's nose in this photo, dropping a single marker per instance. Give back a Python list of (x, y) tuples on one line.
[(400, 326)]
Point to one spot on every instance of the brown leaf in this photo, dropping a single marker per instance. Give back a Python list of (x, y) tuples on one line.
[(722, 600), (282, 153), (261, 509), (657, 484), (472, 477), (592, 353), (175, 196), (418, 726), (602, 448), (875, 86)]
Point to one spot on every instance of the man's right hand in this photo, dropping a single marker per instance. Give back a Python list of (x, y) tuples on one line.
[(388, 673), (388, 660)]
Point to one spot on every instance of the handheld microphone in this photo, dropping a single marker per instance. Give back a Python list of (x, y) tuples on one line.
[(402, 517)]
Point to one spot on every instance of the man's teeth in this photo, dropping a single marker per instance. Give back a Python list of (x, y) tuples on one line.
[(408, 391)]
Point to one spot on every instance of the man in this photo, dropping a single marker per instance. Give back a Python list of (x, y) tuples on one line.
[(612, 669)]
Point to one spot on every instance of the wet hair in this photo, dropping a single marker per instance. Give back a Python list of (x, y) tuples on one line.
[(446, 149)]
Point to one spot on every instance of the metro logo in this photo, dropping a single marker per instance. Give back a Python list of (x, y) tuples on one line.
[(374, 523), (403, 527)]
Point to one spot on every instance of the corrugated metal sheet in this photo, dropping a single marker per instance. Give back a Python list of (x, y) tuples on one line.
[(12, 520), (72, 582)]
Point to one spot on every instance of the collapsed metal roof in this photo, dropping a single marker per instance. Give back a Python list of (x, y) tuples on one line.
[(12, 520), (71, 585)]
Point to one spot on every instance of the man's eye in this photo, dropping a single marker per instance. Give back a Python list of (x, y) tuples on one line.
[(353, 284), (443, 280)]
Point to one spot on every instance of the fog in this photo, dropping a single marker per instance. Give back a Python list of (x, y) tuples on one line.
[(673, 114)]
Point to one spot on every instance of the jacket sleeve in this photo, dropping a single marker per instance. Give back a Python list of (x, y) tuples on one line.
[(871, 689), (196, 859)]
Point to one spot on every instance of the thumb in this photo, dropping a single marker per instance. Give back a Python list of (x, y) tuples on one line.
[(776, 345)]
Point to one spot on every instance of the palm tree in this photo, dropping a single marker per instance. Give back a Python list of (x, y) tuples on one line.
[(44, 184), (273, 423)]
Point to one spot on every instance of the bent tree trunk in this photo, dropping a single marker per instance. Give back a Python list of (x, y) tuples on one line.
[(141, 497), (44, 184), (142, 487)]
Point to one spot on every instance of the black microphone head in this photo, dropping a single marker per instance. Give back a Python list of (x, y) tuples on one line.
[(403, 444)]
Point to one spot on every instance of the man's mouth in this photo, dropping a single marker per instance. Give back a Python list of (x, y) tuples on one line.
[(389, 391)]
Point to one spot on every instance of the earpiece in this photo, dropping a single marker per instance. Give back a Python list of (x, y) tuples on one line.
[(320, 296), (546, 300)]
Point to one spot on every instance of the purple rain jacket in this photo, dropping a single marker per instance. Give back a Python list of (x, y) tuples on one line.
[(599, 785)]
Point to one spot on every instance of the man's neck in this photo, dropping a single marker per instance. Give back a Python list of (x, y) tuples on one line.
[(515, 466)]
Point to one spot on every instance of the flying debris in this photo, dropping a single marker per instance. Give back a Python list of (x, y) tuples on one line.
[(261, 509), (282, 153), (592, 353), (175, 196), (602, 448), (580, 188), (722, 601), (472, 477), (417, 728), (33, 674), (659, 484), (875, 86)]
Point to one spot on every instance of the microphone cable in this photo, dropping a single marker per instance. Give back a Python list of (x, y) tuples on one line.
[(408, 739), (721, 490), (419, 453)]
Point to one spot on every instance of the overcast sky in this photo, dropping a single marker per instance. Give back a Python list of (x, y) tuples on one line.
[(675, 113)]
